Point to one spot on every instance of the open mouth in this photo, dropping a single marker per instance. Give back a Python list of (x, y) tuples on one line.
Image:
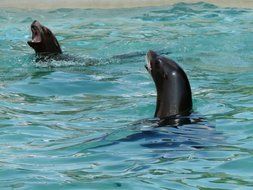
[(36, 37), (36, 34)]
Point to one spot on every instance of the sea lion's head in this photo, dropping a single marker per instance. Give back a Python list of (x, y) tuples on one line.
[(172, 85), (43, 40), (159, 67)]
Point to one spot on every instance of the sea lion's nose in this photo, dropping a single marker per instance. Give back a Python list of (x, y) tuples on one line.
[(151, 55), (35, 23)]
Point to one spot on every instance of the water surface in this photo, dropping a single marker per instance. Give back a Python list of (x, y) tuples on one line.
[(68, 125)]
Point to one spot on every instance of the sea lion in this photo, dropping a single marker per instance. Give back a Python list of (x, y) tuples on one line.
[(47, 47), (43, 40), (174, 97)]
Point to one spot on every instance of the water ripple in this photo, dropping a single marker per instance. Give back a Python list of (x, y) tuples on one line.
[(80, 124)]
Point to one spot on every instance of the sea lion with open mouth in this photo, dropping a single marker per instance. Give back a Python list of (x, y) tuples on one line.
[(47, 47), (174, 97), (43, 40)]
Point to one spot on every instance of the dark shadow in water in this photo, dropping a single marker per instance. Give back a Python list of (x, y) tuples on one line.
[(190, 132), (40, 74)]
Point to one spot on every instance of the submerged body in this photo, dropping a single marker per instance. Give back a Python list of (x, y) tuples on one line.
[(174, 97)]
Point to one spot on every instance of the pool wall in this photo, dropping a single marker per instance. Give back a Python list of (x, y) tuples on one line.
[(106, 4)]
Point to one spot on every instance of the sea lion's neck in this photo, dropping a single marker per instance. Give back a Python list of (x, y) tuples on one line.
[(163, 105), (173, 99)]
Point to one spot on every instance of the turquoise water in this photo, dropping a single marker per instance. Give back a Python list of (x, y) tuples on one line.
[(68, 125)]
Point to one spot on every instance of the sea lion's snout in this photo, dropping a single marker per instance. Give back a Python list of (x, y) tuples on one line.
[(150, 60), (151, 55), (37, 24)]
